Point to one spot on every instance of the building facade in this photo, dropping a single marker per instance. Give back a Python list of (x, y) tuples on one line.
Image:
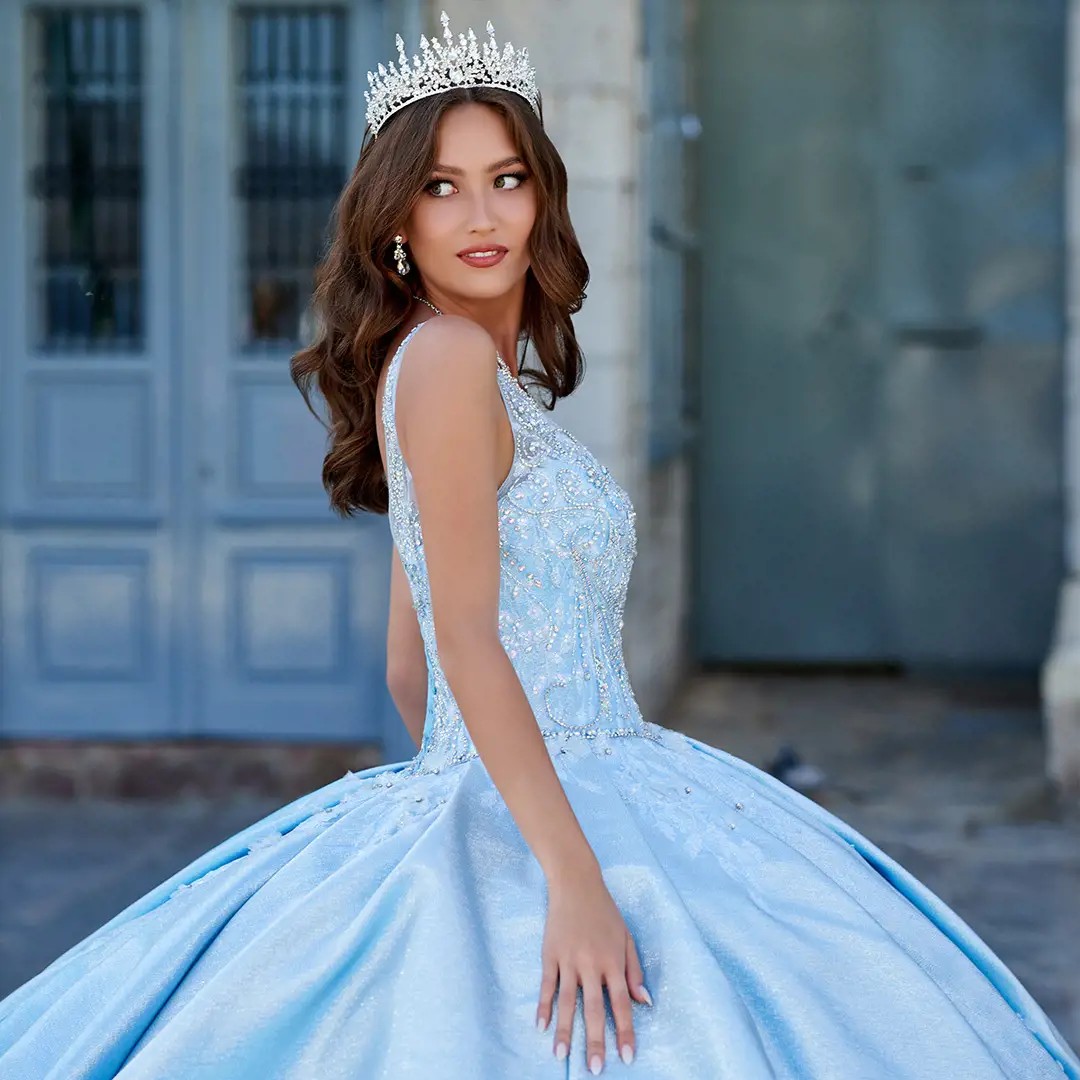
[(824, 343), (168, 566)]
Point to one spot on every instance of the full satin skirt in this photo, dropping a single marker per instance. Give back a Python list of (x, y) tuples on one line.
[(389, 925)]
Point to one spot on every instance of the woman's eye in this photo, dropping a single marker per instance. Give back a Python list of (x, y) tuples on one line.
[(517, 178), (433, 186), (504, 181)]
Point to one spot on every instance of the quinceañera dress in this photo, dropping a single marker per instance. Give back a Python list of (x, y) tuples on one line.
[(389, 925)]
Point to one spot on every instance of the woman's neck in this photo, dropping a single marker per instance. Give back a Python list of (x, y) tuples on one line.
[(500, 317)]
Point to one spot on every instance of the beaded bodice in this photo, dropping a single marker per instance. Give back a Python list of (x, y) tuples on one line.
[(567, 544)]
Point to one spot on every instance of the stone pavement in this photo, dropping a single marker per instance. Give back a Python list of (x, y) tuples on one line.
[(946, 779)]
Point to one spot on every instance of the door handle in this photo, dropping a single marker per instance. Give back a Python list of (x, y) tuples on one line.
[(942, 336)]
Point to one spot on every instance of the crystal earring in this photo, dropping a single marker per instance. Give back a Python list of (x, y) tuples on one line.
[(399, 256)]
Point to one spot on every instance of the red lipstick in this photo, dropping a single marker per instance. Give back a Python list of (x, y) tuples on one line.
[(480, 255)]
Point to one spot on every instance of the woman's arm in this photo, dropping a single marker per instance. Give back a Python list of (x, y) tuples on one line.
[(406, 664), (447, 421), (448, 410)]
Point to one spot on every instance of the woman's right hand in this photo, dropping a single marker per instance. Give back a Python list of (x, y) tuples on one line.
[(586, 942)]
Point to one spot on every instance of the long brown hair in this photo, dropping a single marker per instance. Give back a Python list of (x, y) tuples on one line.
[(360, 302)]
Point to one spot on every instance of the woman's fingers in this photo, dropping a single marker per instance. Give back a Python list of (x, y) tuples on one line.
[(623, 988), (621, 1010), (547, 994), (567, 1001), (593, 993), (635, 980)]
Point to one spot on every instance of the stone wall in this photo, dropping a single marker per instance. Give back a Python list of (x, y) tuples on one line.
[(174, 768)]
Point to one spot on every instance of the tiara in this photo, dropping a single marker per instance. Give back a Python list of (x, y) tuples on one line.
[(444, 67)]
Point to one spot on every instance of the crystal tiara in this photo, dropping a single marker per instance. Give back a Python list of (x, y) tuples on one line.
[(444, 67)]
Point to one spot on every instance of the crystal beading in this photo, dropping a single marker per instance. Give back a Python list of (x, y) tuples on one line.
[(567, 544), (447, 66)]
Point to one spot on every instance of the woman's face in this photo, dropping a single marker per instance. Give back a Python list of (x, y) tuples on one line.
[(480, 199)]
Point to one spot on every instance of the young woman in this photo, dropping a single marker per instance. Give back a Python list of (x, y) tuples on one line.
[(436, 918)]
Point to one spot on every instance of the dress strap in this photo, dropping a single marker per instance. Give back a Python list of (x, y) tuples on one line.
[(389, 417), (399, 477)]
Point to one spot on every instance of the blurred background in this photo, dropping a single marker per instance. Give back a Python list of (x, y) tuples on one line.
[(827, 354)]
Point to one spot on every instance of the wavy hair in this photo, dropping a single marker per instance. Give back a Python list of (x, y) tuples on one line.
[(360, 302)]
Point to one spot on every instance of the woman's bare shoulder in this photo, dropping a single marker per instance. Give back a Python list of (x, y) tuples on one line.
[(448, 367), (453, 336), (451, 359)]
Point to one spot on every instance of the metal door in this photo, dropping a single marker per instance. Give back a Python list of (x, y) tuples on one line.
[(881, 373)]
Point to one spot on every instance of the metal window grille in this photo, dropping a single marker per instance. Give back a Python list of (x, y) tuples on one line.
[(291, 84), (86, 178)]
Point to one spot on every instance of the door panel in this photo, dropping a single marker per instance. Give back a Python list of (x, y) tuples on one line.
[(294, 599), (85, 421), (787, 529), (972, 233), (883, 331), (169, 562)]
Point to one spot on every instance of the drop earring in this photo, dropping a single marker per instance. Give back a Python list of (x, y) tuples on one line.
[(399, 256)]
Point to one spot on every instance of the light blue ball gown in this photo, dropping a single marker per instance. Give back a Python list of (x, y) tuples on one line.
[(389, 924)]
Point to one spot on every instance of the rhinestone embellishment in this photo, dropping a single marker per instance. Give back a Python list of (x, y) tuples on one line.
[(567, 543), (444, 65)]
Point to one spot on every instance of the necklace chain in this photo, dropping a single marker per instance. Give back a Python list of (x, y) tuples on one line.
[(498, 355), (428, 302)]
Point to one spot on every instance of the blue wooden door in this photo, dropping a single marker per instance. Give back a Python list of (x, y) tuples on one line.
[(169, 564)]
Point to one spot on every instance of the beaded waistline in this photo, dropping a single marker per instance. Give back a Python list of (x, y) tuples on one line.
[(420, 764)]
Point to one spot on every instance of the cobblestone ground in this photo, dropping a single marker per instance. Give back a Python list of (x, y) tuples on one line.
[(947, 780)]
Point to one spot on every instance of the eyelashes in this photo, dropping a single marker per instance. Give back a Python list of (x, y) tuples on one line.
[(519, 176)]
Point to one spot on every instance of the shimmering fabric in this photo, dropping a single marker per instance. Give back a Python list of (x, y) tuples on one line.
[(389, 924), (567, 544)]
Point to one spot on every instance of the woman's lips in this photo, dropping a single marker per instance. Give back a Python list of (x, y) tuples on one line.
[(483, 257)]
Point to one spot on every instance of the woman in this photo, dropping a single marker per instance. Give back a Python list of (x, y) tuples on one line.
[(424, 918)]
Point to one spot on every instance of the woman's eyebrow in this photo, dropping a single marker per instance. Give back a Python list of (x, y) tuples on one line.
[(491, 168)]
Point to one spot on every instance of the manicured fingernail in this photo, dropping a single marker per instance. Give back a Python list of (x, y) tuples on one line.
[(561, 1050), (596, 1065), (627, 1053), (645, 994), (541, 1024)]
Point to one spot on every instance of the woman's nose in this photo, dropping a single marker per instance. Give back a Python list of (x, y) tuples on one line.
[(481, 212)]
